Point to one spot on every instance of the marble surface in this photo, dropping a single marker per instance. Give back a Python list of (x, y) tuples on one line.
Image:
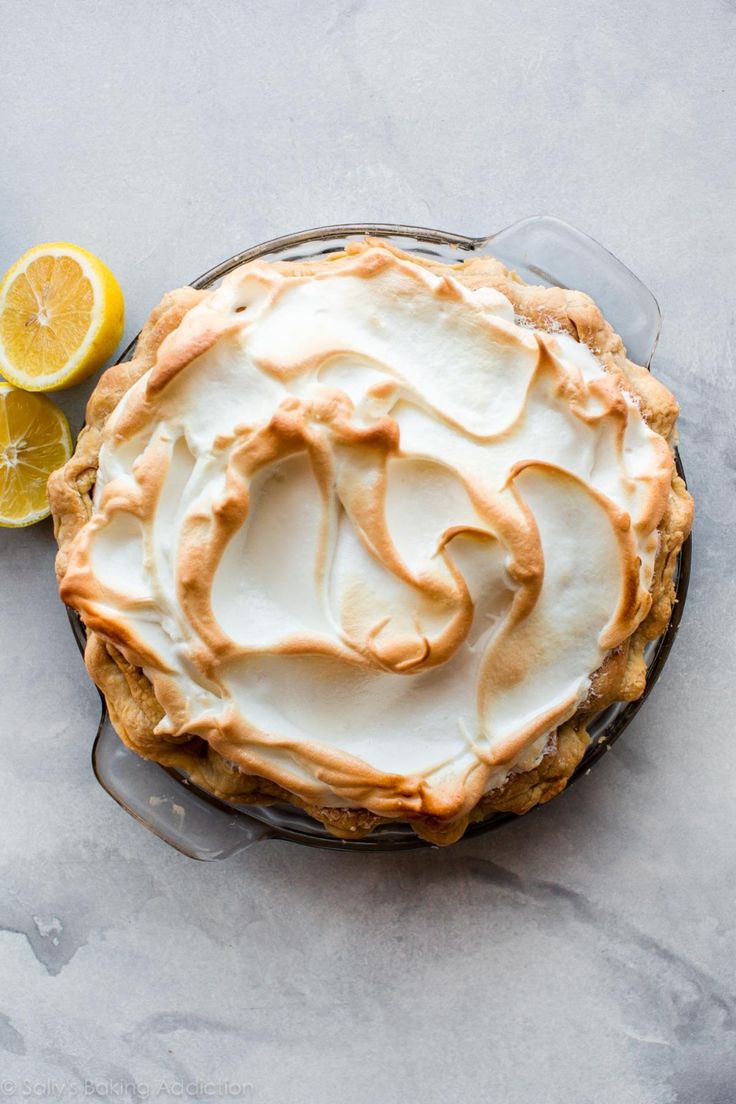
[(584, 955)]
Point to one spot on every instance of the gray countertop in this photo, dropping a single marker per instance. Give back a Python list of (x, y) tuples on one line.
[(583, 955)]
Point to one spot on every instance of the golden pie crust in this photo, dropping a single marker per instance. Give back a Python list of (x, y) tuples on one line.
[(133, 707)]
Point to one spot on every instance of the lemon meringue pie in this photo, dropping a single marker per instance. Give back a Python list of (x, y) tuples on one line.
[(373, 535)]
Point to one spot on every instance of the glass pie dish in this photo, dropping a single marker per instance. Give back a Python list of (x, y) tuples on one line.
[(541, 250)]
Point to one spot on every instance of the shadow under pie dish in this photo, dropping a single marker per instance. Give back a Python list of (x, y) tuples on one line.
[(373, 535)]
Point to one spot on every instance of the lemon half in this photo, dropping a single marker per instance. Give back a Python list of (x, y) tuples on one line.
[(35, 440), (61, 317)]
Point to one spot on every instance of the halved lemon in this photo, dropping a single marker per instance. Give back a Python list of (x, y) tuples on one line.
[(61, 317), (35, 440)]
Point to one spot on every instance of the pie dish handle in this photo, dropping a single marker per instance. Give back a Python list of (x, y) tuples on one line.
[(186, 819), (547, 250)]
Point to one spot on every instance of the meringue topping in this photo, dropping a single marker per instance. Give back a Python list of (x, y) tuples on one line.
[(368, 533)]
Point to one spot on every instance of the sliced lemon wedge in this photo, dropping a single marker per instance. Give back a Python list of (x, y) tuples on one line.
[(61, 317), (35, 440)]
